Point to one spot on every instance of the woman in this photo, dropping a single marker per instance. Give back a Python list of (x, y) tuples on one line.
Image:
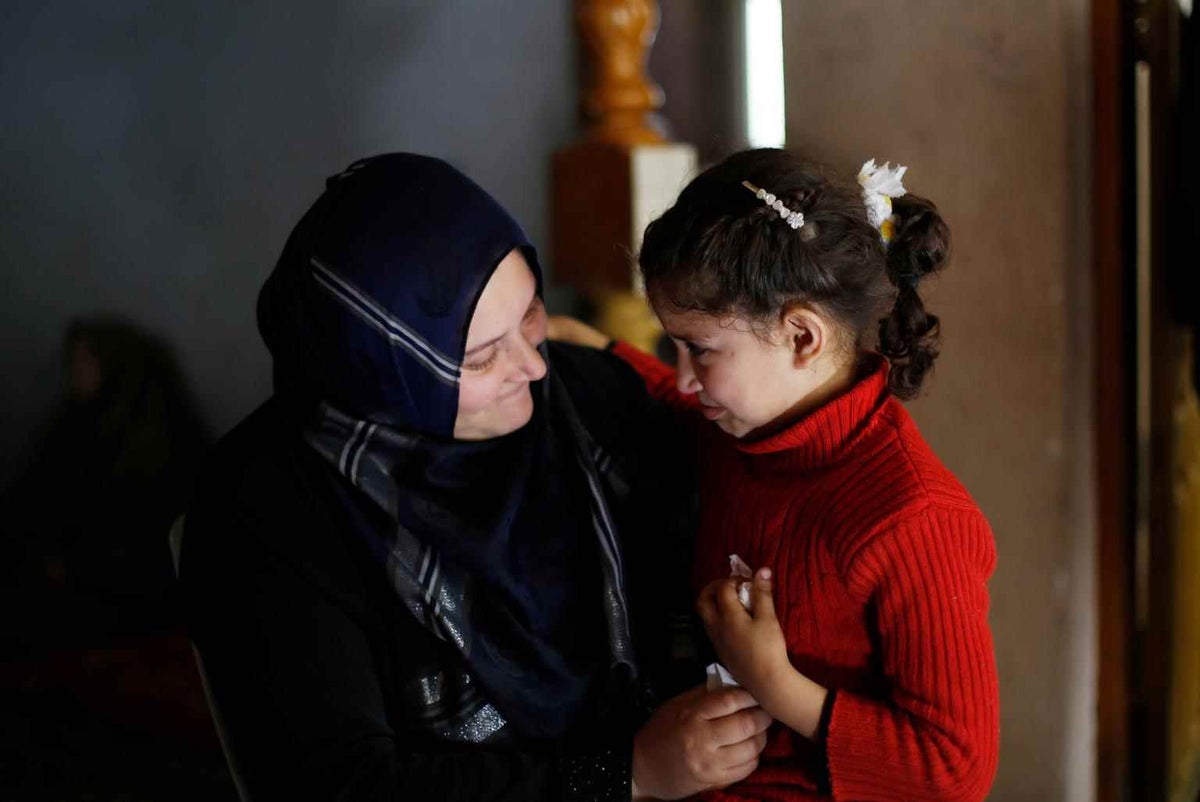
[(436, 564)]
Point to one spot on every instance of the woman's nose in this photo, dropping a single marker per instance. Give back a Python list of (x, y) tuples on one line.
[(685, 375), (529, 361)]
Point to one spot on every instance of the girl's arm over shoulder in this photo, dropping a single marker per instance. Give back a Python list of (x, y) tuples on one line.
[(658, 377), (572, 330)]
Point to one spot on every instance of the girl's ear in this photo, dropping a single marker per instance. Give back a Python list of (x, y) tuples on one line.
[(806, 333)]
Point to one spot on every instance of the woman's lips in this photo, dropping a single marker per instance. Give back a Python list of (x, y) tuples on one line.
[(515, 392), (710, 412)]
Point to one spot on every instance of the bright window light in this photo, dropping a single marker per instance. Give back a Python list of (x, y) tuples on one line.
[(764, 73)]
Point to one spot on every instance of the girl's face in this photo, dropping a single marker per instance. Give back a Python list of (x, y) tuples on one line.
[(501, 356), (751, 386)]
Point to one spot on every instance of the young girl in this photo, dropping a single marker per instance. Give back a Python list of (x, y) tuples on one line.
[(867, 635)]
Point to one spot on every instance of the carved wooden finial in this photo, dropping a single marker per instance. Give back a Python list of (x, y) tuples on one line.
[(619, 96)]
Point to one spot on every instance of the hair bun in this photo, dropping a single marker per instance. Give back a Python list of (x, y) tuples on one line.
[(909, 336), (921, 244)]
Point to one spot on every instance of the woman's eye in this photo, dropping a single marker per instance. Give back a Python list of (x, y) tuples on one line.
[(696, 350), (482, 364)]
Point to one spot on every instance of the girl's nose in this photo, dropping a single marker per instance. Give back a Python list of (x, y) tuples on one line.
[(685, 375)]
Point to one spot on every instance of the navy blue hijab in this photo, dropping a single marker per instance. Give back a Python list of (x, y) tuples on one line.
[(504, 548)]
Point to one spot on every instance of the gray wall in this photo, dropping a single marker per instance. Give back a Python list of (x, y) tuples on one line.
[(153, 156)]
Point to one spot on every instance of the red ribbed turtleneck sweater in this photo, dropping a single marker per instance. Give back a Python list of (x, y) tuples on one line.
[(880, 561)]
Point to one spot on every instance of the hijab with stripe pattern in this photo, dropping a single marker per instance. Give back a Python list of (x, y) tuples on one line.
[(393, 257), (504, 548)]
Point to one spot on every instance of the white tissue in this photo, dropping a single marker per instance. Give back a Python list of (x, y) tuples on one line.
[(739, 570), (718, 677)]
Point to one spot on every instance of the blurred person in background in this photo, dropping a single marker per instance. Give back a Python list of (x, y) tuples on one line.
[(85, 521)]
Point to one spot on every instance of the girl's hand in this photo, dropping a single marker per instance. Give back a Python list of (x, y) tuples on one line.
[(751, 645), (569, 330), (750, 642)]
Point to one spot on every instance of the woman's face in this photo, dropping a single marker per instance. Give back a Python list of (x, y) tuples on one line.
[(501, 357)]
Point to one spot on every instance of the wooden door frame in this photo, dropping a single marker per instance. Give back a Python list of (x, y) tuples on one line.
[(1113, 330), (1134, 612)]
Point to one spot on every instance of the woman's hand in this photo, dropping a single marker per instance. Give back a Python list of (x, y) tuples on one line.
[(751, 645), (570, 330), (698, 741)]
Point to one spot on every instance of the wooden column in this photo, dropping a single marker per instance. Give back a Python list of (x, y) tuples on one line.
[(621, 174), (1113, 331)]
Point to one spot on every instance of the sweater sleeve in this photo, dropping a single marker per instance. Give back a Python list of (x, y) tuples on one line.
[(292, 676), (935, 734), (658, 376)]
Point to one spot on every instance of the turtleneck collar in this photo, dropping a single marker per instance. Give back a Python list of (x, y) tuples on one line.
[(824, 435)]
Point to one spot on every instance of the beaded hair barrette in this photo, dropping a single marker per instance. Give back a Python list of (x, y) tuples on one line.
[(794, 219), (879, 185)]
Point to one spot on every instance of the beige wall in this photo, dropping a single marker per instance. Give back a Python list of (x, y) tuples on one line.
[(987, 104)]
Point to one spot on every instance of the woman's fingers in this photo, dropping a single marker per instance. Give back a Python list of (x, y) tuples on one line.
[(725, 702), (742, 751), (740, 727), (737, 773), (675, 753)]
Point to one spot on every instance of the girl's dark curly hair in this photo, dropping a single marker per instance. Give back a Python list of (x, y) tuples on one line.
[(721, 250)]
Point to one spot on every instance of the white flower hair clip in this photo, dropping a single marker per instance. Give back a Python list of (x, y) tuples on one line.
[(794, 219), (879, 186)]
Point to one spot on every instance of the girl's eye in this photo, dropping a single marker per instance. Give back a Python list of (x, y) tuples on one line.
[(696, 350), (483, 364)]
